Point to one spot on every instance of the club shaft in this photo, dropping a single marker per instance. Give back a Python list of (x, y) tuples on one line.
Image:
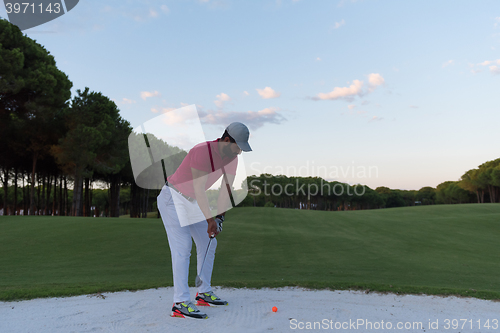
[(206, 252)]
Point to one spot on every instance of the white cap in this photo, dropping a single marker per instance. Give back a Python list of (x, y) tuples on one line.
[(240, 134)]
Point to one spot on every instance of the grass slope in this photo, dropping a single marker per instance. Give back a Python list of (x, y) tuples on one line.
[(446, 249)]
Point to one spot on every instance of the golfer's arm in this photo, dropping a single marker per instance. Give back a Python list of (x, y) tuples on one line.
[(224, 202), (199, 182)]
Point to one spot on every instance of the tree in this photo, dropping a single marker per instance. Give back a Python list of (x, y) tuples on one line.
[(33, 91), (488, 176), (470, 182), (95, 141), (426, 195), (450, 192), (391, 198)]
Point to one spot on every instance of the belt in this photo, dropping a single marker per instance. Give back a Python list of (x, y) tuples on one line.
[(176, 190)]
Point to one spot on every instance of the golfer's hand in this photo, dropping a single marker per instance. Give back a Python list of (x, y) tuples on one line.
[(212, 228)]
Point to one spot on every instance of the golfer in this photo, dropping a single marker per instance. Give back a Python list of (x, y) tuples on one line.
[(186, 214)]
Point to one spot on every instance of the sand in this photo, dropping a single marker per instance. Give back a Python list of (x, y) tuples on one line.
[(249, 310)]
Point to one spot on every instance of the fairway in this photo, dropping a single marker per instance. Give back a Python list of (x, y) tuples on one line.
[(445, 249)]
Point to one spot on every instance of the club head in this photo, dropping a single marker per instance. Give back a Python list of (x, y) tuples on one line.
[(198, 281)]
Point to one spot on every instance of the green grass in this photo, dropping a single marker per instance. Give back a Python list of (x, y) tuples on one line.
[(446, 249)]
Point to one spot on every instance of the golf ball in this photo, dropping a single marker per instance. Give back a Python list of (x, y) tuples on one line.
[(275, 309)]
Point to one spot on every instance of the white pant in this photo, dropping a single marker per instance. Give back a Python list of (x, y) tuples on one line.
[(173, 207)]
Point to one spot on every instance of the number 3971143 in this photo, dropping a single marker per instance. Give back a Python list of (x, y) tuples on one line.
[(27, 7)]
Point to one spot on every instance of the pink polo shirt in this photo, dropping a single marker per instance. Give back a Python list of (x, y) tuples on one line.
[(199, 158)]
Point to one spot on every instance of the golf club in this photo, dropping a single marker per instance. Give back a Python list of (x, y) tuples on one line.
[(198, 280)]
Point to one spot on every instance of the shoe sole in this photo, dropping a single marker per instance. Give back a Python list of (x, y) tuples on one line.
[(179, 315), (205, 303)]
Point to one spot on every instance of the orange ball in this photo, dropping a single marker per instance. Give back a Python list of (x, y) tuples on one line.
[(275, 309)]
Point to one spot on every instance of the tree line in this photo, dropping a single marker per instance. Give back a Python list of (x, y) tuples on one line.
[(478, 185), (56, 151)]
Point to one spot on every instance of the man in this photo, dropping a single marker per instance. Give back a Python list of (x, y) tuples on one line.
[(186, 214)]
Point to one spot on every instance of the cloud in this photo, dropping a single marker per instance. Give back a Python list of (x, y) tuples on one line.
[(137, 11), (494, 69), (162, 110), (153, 13), (127, 101), (489, 62), (413, 107), (147, 94), (375, 118), (253, 119), (351, 112), (268, 93), (339, 24), (221, 99), (318, 59), (355, 89), (143, 16), (375, 80), (448, 63), (173, 118), (246, 93), (497, 21), (492, 65)]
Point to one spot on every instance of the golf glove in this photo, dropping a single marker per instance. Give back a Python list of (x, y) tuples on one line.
[(219, 219)]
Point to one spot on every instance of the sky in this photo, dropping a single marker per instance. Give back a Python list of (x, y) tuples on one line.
[(403, 94)]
